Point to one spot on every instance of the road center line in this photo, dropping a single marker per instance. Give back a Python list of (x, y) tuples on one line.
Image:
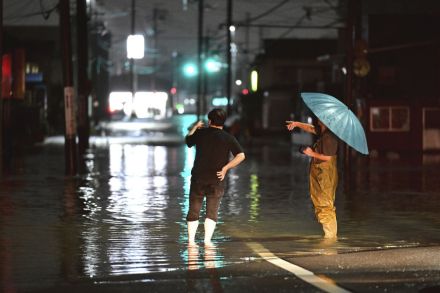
[(326, 285)]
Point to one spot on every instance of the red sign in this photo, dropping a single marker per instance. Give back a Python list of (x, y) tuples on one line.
[(6, 76)]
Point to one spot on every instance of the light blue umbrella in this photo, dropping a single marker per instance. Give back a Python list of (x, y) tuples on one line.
[(338, 118)]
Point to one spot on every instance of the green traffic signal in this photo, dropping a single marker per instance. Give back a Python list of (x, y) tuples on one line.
[(210, 65), (190, 70)]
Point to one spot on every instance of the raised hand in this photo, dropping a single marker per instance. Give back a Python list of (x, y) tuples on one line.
[(291, 125)]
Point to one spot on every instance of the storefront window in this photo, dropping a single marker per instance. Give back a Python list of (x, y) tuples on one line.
[(432, 118), (389, 119)]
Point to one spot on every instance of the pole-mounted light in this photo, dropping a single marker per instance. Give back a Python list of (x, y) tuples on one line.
[(135, 46)]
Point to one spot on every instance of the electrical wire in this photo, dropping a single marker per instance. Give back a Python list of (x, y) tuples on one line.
[(268, 11), (308, 14), (45, 14), (15, 9)]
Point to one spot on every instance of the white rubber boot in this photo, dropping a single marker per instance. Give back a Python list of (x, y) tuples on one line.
[(192, 229), (209, 231)]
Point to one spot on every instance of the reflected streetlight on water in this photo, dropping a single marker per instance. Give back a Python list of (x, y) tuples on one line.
[(130, 213)]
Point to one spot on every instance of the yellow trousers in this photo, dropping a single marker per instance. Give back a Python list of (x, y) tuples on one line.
[(323, 183)]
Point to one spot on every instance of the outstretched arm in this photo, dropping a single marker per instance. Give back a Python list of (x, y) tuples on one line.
[(304, 126), (232, 163)]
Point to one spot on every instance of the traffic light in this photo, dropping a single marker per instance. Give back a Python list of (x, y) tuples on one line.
[(212, 65), (190, 69)]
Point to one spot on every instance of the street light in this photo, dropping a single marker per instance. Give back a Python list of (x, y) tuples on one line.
[(135, 50), (135, 46)]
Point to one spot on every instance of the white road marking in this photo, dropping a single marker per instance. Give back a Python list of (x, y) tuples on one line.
[(326, 285)]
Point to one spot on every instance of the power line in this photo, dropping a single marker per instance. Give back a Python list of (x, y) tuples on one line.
[(45, 14), (308, 14), (268, 11)]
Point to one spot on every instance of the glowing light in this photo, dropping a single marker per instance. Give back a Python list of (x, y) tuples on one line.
[(254, 80), (117, 100), (135, 46), (150, 104), (180, 108), (219, 101), (238, 82), (190, 70), (232, 28), (245, 91), (212, 65)]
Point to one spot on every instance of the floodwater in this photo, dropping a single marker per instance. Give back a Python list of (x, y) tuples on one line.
[(125, 213)]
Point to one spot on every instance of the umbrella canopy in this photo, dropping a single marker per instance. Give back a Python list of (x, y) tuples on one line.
[(338, 118)]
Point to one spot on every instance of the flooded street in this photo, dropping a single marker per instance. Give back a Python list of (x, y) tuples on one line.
[(124, 215)]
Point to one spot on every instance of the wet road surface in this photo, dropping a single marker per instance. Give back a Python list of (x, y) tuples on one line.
[(120, 226)]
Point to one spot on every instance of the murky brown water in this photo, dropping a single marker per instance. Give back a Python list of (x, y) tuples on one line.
[(125, 213)]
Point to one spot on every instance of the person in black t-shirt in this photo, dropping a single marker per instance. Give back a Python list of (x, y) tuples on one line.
[(212, 162), (323, 178)]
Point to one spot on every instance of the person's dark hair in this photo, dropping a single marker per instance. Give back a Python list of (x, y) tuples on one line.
[(315, 123), (217, 116)]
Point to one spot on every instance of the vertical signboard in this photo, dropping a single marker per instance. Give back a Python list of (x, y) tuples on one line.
[(69, 109)]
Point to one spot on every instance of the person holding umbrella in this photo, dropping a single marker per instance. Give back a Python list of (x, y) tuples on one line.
[(323, 174), (334, 120)]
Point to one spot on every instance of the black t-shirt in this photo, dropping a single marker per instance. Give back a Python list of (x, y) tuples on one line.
[(213, 147)]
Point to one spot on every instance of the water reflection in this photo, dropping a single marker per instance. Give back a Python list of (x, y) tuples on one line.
[(254, 197), (198, 257), (126, 213), (193, 257), (189, 154), (206, 259)]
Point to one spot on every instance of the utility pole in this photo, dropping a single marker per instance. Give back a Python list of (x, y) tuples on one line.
[(153, 77), (200, 59), (1, 89), (69, 98), (228, 55), (83, 80), (132, 74), (205, 74), (349, 43)]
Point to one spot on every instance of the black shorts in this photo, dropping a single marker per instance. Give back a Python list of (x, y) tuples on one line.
[(213, 191)]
